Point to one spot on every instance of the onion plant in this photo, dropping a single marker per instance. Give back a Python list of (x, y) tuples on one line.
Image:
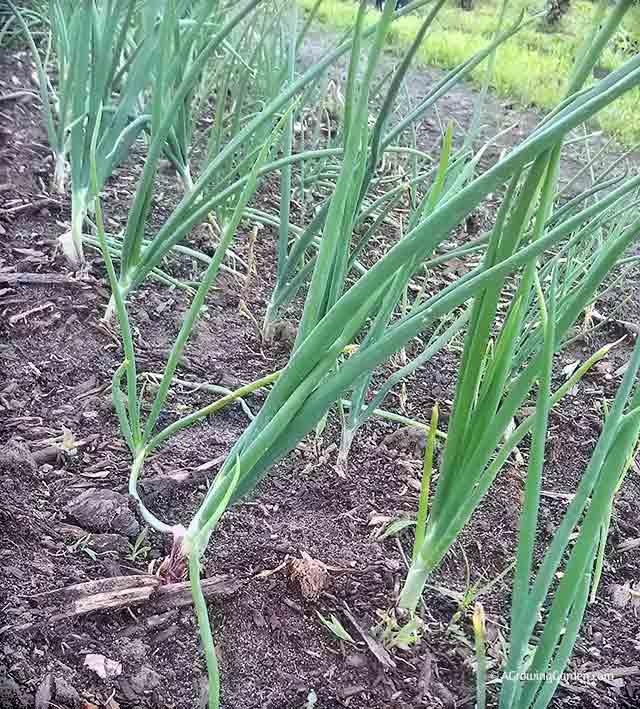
[(180, 50), (606, 524), (216, 187), (490, 392), (10, 29), (338, 312), (451, 176), (96, 66), (214, 76), (484, 408), (140, 434), (250, 78), (295, 262), (571, 260), (573, 547), (522, 683), (310, 382)]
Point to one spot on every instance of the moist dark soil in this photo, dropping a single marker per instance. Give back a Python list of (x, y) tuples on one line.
[(305, 542)]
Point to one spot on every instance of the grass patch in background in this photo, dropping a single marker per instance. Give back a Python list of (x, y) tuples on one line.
[(531, 67)]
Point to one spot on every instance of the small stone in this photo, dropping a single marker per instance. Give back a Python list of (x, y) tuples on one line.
[(104, 667), (204, 693), (165, 634), (162, 620), (103, 511), (127, 690), (351, 690)]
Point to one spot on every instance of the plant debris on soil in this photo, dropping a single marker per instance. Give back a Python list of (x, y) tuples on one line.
[(307, 542)]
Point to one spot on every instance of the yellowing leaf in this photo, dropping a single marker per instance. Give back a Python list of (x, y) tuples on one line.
[(69, 441)]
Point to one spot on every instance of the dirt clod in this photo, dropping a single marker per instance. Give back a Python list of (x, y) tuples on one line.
[(56, 692), (12, 696), (409, 439), (16, 458), (627, 594), (105, 543), (145, 680), (66, 695), (100, 510), (311, 574), (134, 650), (281, 333)]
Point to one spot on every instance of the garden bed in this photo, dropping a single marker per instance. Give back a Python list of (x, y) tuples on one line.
[(56, 363)]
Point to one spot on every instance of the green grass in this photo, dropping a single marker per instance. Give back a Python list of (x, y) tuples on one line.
[(531, 67)]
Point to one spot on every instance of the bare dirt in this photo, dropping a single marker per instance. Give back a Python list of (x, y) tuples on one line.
[(56, 363)]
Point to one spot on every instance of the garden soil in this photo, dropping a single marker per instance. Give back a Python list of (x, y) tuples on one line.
[(305, 543)]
